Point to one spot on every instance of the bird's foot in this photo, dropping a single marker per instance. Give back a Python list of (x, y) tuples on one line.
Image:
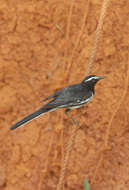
[(70, 116)]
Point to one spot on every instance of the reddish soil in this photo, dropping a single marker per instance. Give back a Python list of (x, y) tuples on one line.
[(34, 58)]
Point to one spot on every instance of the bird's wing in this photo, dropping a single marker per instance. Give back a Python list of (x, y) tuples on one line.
[(72, 95), (62, 93), (51, 96)]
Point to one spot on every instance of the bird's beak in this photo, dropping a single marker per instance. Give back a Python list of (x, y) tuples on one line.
[(101, 77)]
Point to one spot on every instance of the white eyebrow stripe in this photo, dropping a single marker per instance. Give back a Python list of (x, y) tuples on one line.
[(92, 78)]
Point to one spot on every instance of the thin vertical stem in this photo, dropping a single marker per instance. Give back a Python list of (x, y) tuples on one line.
[(98, 34), (68, 152)]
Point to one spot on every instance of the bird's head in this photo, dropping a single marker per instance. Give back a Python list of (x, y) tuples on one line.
[(91, 80)]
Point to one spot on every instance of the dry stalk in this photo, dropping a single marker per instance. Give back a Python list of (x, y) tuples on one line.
[(66, 159), (91, 60), (98, 34)]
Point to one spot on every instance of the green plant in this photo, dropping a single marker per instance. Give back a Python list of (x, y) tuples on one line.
[(86, 185)]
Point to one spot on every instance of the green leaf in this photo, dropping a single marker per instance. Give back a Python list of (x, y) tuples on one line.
[(86, 185)]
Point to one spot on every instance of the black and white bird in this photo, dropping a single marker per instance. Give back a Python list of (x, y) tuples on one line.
[(71, 97)]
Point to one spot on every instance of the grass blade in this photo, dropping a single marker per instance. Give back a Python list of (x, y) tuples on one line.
[(86, 185)]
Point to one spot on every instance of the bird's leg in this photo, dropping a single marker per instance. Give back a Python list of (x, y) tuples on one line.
[(70, 116)]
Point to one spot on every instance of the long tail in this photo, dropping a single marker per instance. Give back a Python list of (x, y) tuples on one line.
[(31, 117)]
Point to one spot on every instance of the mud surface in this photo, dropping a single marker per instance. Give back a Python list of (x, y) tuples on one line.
[(35, 52)]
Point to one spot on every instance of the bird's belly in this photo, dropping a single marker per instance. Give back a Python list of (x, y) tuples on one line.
[(74, 107), (78, 106), (81, 103)]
